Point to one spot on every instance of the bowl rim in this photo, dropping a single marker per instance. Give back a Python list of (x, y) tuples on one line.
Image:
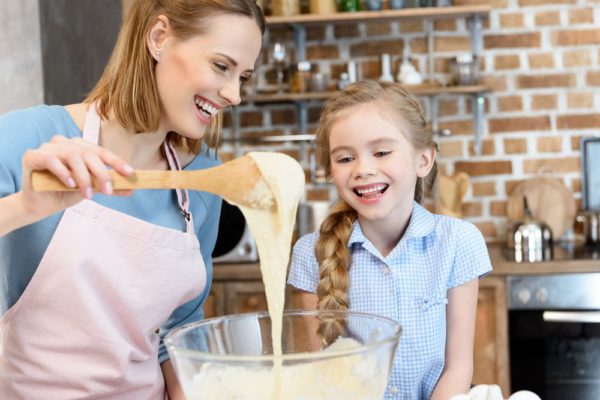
[(304, 356)]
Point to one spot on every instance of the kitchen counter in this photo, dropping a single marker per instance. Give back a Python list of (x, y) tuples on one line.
[(236, 272), (569, 258)]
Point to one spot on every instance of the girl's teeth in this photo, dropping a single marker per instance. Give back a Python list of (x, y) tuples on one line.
[(373, 189)]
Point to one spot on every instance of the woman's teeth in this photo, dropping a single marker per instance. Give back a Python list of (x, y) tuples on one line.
[(205, 106), (372, 190)]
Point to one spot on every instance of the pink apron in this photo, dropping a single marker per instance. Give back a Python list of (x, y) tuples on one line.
[(86, 325)]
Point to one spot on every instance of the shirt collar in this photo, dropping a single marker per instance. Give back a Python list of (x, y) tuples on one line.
[(421, 224)]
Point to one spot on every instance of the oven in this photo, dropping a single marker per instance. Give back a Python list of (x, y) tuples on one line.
[(235, 243), (554, 335)]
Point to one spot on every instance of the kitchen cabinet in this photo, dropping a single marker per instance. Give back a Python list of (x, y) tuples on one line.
[(236, 289), (431, 89), (491, 335)]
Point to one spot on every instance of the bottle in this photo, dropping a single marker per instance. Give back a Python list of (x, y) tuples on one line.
[(344, 81), (352, 71), (349, 5), (386, 69)]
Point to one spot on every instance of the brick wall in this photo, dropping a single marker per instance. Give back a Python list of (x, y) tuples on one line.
[(542, 59)]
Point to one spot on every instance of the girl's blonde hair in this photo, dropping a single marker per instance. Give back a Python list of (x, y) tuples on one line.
[(331, 249), (127, 86)]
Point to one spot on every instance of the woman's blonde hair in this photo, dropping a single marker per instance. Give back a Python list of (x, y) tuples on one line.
[(127, 86), (331, 249)]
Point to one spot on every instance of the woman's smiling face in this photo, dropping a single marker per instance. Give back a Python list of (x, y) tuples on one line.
[(373, 165), (199, 76)]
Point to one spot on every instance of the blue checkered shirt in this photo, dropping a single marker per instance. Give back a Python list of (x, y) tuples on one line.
[(436, 253)]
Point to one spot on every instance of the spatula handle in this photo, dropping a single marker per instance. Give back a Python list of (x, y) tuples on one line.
[(44, 181)]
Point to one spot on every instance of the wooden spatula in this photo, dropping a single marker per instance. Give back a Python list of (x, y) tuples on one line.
[(238, 181)]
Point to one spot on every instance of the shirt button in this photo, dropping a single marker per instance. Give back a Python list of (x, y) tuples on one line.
[(385, 269), (394, 390)]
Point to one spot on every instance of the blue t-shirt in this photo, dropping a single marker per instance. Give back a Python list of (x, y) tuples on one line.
[(410, 286), (21, 250)]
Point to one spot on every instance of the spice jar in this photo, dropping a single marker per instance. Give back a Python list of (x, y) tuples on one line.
[(300, 77), (285, 7)]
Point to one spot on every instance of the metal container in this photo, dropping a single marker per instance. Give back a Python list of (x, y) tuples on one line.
[(310, 216), (530, 239), (591, 226)]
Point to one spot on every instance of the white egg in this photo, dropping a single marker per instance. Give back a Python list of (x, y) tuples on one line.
[(479, 392), (524, 395), (486, 392), (494, 393), (460, 397)]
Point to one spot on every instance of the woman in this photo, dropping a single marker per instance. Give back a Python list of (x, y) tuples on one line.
[(92, 282)]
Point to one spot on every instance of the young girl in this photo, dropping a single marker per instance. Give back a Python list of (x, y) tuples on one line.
[(379, 251), (89, 284)]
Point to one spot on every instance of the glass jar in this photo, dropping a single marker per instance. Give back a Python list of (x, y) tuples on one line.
[(464, 69), (300, 77)]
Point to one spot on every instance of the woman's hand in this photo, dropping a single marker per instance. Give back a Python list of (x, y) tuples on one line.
[(78, 164)]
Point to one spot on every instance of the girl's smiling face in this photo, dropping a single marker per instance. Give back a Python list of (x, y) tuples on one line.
[(198, 77), (373, 165)]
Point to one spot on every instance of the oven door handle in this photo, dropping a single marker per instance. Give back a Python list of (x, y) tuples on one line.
[(572, 316)]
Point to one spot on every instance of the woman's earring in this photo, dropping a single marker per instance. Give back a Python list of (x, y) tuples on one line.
[(157, 55)]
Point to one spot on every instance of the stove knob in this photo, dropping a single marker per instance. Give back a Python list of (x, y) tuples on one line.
[(541, 295), (524, 295)]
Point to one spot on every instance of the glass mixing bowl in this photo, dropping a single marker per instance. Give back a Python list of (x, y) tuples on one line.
[(232, 357)]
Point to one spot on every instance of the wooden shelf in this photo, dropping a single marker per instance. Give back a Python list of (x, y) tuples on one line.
[(381, 16), (420, 90)]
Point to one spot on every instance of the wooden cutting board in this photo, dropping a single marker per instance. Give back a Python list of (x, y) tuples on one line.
[(549, 200), (451, 191)]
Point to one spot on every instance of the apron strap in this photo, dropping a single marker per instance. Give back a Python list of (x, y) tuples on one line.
[(183, 198), (91, 133), (91, 125)]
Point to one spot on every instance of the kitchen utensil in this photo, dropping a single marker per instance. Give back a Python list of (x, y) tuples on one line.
[(591, 226), (530, 239), (232, 357), (451, 191), (236, 181), (549, 200)]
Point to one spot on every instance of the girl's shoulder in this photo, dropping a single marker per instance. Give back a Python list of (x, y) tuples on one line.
[(306, 244), (456, 227)]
